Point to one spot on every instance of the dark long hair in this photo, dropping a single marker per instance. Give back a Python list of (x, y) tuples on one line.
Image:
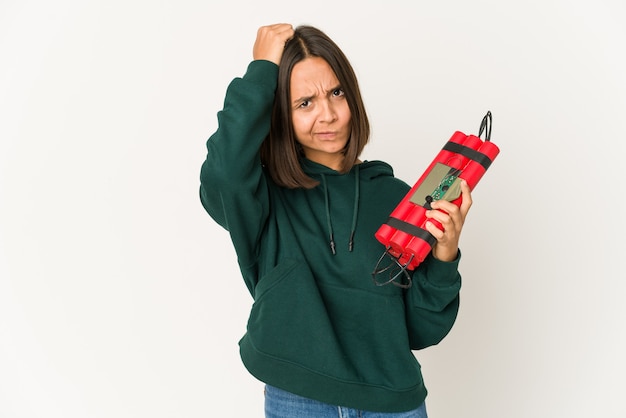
[(280, 152)]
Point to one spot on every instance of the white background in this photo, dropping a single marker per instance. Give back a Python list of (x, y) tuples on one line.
[(120, 297)]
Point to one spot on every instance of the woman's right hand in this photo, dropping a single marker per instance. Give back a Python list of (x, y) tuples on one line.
[(270, 42)]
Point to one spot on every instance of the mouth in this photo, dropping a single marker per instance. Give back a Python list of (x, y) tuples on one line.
[(326, 135)]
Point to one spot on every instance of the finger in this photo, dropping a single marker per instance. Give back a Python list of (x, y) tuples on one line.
[(443, 205), (434, 230), (270, 42), (438, 215), (466, 201), (281, 31)]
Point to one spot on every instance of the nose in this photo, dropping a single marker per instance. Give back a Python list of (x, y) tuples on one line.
[(327, 111)]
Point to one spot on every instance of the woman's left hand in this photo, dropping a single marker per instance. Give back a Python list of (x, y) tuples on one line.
[(452, 218)]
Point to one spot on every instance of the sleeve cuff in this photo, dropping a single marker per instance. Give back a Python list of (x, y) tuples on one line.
[(443, 273), (262, 71)]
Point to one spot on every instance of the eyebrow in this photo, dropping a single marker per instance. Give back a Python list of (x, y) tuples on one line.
[(307, 98)]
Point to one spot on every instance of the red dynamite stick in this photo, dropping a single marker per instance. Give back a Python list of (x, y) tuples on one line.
[(402, 239), (418, 248), (458, 162), (391, 237), (474, 171), (463, 157)]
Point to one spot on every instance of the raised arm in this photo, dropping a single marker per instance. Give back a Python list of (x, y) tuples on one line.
[(233, 188)]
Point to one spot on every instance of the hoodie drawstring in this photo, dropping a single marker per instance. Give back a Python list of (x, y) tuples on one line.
[(354, 213), (356, 207), (328, 222)]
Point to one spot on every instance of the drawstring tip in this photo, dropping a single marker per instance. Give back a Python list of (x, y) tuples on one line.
[(332, 245), (351, 243)]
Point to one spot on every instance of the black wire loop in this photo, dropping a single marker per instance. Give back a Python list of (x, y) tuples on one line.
[(485, 126), (398, 274)]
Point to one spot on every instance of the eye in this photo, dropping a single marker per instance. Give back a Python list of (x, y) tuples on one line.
[(338, 92), (304, 104)]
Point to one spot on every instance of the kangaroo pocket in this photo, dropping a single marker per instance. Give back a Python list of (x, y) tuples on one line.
[(349, 335), (289, 322)]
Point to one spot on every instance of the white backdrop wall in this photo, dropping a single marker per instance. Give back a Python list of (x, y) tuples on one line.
[(119, 296)]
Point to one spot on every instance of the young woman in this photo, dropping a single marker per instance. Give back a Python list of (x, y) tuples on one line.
[(283, 176)]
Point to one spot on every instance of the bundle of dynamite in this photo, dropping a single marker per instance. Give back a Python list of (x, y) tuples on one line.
[(406, 241)]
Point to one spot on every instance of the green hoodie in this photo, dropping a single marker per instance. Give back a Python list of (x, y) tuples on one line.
[(319, 326)]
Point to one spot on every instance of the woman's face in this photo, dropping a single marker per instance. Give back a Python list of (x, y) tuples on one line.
[(320, 112)]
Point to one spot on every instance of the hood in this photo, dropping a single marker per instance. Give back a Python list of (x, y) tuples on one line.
[(365, 171)]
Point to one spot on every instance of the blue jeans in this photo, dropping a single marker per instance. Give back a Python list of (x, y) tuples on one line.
[(281, 404)]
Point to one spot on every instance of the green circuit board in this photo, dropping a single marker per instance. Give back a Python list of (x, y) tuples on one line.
[(441, 183)]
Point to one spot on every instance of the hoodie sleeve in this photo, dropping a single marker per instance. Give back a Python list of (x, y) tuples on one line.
[(432, 303), (233, 188)]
